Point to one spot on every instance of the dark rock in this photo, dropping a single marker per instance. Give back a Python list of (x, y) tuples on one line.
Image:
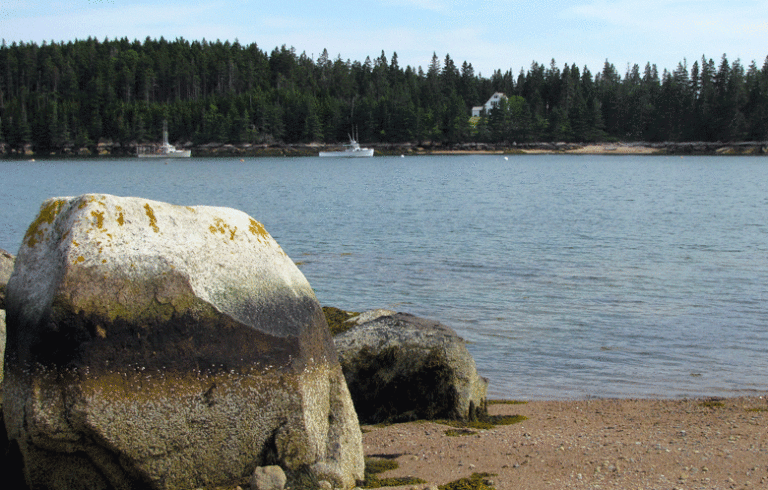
[(401, 367)]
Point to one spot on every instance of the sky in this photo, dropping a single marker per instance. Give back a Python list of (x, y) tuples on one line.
[(491, 35)]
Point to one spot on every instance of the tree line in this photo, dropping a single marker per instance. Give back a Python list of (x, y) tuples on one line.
[(62, 95)]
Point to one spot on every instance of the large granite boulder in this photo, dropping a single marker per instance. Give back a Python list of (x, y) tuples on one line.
[(6, 268), (168, 347), (401, 367)]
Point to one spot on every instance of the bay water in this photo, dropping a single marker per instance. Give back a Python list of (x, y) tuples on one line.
[(571, 276)]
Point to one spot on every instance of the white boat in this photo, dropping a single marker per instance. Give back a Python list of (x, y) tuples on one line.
[(167, 150), (351, 149)]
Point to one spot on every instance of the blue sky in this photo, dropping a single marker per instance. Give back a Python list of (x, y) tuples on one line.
[(491, 35)]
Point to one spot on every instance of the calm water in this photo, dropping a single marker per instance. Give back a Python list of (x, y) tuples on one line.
[(572, 276)]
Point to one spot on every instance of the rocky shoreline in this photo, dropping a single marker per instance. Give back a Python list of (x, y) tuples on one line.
[(113, 149), (467, 443), (133, 360)]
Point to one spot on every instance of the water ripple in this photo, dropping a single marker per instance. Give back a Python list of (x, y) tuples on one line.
[(570, 276)]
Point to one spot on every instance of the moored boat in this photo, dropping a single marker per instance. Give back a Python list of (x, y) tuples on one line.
[(167, 150), (351, 149)]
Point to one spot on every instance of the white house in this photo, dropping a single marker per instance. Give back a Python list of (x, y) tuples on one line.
[(492, 102)]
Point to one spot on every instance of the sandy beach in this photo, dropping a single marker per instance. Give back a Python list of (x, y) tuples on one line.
[(592, 444), (576, 149), (617, 149), (601, 149)]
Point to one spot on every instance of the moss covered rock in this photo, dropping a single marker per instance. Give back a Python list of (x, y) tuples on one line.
[(401, 367), (160, 346)]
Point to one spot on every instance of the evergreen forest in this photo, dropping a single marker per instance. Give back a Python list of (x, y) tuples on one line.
[(75, 94)]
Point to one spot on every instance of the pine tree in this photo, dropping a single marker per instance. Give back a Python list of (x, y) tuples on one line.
[(121, 90), (313, 130)]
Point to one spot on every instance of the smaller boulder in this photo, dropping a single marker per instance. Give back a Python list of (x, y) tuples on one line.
[(401, 367), (370, 315), (268, 478)]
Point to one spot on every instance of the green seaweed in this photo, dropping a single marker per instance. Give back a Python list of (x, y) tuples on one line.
[(337, 319), (486, 422), (374, 466), (460, 432), (380, 465), (478, 481), (506, 402), (506, 419), (712, 404)]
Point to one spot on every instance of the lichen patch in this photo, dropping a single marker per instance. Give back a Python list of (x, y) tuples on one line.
[(152, 219), (258, 230), (120, 216), (220, 226), (99, 215), (36, 231)]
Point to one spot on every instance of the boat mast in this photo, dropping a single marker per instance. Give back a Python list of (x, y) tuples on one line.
[(165, 132)]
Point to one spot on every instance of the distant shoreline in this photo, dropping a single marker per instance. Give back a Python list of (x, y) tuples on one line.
[(115, 150)]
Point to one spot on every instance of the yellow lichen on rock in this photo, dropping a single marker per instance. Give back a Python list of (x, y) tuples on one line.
[(220, 226), (48, 213), (258, 229), (120, 217), (152, 218), (99, 215)]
